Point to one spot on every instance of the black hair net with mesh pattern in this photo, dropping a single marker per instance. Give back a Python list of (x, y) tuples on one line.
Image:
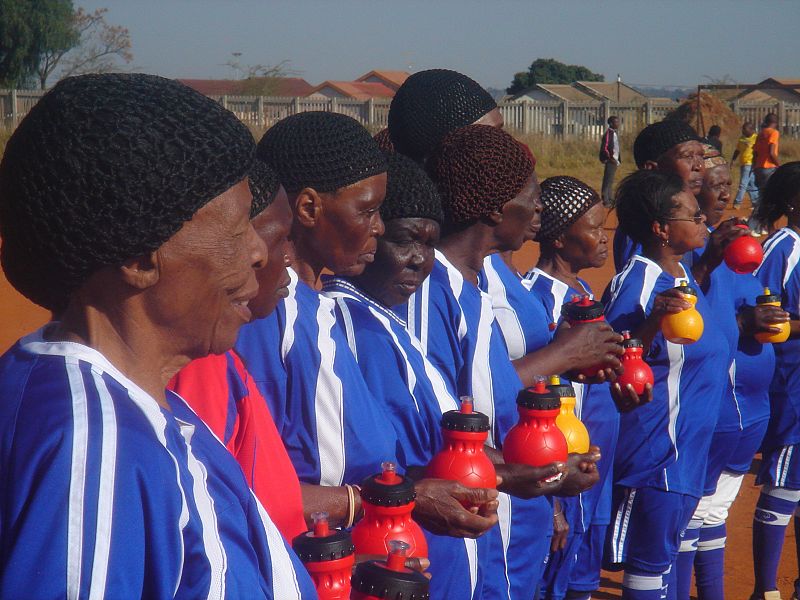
[(410, 193), (564, 200)]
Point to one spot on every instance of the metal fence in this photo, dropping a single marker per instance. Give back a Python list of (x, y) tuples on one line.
[(557, 118)]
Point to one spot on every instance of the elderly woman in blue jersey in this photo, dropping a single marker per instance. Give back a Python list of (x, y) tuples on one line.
[(397, 371), (780, 466), (124, 209), (744, 408), (335, 429), (662, 449), (486, 209), (572, 238)]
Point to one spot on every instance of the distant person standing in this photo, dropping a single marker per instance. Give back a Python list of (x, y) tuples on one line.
[(712, 139), (744, 151), (765, 160), (609, 156)]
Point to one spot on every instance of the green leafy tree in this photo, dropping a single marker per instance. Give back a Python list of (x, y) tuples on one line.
[(29, 31), (549, 70)]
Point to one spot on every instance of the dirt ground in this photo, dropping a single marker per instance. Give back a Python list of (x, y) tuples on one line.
[(18, 317)]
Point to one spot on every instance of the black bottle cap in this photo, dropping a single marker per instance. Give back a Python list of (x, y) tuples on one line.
[(582, 308), (631, 342), (311, 547), (387, 488), (465, 419), (375, 579), (561, 387), (685, 288), (538, 397), (768, 296)]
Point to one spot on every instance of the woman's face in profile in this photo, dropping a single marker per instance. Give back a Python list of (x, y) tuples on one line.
[(207, 275)]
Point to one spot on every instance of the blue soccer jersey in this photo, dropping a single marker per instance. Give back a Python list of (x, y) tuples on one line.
[(624, 249), (594, 405), (780, 273), (454, 322), (107, 494), (664, 444), (331, 424), (415, 394)]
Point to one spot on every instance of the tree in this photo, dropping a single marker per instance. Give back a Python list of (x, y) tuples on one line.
[(30, 30), (99, 46), (549, 70), (261, 79)]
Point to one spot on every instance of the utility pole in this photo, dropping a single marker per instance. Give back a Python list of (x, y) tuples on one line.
[(236, 65), (619, 84)]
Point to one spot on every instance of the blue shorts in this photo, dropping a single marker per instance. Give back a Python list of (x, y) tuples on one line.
[(780, 467), (750, 441), (646, 528), (585, 576), (723, 446)]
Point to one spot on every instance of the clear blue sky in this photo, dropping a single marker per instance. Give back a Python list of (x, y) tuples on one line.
[(675, 42)]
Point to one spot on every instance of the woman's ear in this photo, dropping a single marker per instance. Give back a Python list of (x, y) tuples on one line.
[(661, 232), (559, 242), (308, 207), (495, 217), (142, 271)]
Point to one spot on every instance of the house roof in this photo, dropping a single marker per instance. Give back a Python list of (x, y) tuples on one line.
[(565, 91), (393, 79), (284, 86), (607, 90), (770, 95), (360, 90)]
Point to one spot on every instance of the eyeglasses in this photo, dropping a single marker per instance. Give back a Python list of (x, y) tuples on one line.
[(697, 219)]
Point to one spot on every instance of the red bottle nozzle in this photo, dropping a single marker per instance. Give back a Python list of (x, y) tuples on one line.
[(396, 561), (540, 385), (626, 335), (321, 528), (466, 405), (389, 473), (585, 300)]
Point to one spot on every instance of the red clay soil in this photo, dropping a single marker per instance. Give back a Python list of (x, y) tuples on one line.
[(18, 317)]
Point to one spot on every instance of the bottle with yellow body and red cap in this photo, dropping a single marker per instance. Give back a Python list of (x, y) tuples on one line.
[(536, 440), (567, 421), (390, 579), (767, 337), (462, 458), (685, 327), (388, 500), (328, 555)]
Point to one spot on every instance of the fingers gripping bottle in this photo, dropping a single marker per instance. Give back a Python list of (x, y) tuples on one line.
[(388, 499), (462, 458), (684, 327), (744, 254), (328, 555), (389, 579), (582, 309), (567, 421), (536, 440), (766, 337), (636, 371)]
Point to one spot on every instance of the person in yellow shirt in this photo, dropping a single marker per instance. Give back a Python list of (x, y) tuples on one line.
[(747, 179)]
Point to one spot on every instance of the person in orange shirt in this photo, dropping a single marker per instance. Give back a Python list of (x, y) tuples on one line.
[(765, 160)]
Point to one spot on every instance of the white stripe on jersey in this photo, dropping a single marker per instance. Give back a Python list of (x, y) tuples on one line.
[(504, 521), (329, 401), (212, 542), (290, 306), (617, 280), (482, 386), (676, 357), (770, 245), (77, 482), (105, 509), (411, 377), (505, 315), (621, 521), (456, 286), (559, 291), (281, 564), (732, 376), (651, 273), (791, 262), (471, 546), (348, 327), (443, 396)]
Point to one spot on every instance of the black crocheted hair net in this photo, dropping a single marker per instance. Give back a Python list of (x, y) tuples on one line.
[(654, 140), (105, 168), (321, 150), (264, 186), (384, 140), (431, 104), (565, 200), (410, 193), (477, 169)]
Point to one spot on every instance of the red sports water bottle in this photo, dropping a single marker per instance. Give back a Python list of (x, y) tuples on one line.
[(536, 440), (637, 372), (462, 459), (328, 555), (744, 254), (389, 579), (582, 309), (388, 499)]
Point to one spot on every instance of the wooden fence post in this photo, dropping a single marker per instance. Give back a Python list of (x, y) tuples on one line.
[(564, 118), (225, 102), (261, 119), (526, 116), (606, 111), (648, 113), (371, 112), (333, 104), (13, 108), (781, 115), (296, 105)]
